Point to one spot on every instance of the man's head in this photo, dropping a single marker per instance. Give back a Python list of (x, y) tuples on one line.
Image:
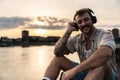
[(85, 20), (86, 10)]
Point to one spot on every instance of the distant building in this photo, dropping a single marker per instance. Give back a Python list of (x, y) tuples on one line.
[(115, 33), (28, 39), (25, 35), (5, 41)]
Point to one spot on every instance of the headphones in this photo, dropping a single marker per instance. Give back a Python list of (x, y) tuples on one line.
[(89, 11)]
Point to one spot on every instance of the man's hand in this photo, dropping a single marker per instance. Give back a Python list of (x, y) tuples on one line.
[(68, 75), (70, 27)]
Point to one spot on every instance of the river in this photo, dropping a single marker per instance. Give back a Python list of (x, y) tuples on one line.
[(28, 63)]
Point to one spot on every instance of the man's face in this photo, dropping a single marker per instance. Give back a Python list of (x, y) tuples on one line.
[(84, 22)]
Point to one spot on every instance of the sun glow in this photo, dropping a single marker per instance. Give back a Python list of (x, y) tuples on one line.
[(38, 23), (40, 31)]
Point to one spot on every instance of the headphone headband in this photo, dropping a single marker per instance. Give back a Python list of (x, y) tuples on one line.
[(89, 11)]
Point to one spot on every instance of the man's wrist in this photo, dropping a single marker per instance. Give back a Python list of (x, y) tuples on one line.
[(68, 32)]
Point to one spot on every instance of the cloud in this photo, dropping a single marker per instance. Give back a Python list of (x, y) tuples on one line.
[(29, 22), (53, 22), (13, 22)]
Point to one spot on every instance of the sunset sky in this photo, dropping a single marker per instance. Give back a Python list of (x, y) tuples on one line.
[(49, 17)]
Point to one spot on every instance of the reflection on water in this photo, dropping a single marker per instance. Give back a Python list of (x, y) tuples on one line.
[(17, 63)]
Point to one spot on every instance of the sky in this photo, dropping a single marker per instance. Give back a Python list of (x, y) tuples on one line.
[(49, 17)]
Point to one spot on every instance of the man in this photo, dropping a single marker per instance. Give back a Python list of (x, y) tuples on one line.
[(95, 48)]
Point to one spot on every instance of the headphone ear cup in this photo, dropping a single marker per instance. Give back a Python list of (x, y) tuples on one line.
[(94, 19)]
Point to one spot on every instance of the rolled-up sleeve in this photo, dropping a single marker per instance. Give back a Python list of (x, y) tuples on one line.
[(108, 39)]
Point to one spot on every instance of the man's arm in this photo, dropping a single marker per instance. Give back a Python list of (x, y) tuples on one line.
[(98, 58), (60, 48)]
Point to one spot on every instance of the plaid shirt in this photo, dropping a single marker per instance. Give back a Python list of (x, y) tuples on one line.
[(100, 37)]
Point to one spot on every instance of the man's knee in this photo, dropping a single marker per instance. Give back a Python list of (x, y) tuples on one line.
[(58, 59), (63, 62), (99, 73)]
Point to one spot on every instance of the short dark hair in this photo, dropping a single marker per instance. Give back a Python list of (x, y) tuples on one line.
[(85, 10)]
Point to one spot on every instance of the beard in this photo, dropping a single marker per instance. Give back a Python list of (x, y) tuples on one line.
[(86, 29)]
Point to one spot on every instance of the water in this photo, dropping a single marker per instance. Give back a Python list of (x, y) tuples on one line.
[(17, 63)]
